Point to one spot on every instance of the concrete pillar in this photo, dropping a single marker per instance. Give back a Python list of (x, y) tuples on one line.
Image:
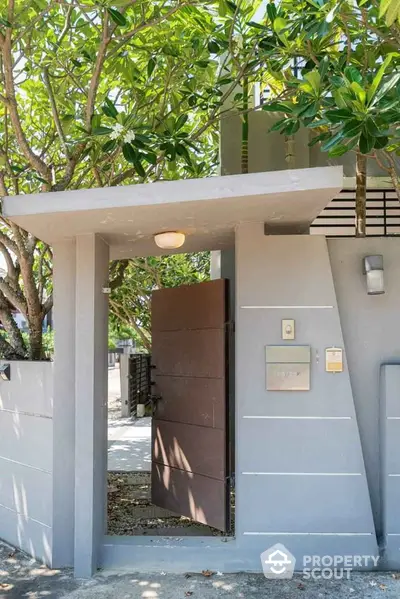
[(215, 265), (124, 377), (64, 405), (92, 261)]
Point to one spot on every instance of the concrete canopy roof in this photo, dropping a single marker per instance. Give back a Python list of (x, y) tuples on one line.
[(206, 210)]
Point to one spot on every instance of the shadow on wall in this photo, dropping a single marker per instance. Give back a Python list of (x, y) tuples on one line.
[(26, 449)]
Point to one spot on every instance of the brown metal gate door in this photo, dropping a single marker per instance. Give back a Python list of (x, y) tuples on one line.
[(189, 430)]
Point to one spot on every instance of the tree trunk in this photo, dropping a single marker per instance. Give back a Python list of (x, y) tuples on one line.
[(290, 147), (245, 128), (361, 194), (35, 339)]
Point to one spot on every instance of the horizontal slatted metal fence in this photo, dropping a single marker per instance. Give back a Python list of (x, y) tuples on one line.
[(338, 218)]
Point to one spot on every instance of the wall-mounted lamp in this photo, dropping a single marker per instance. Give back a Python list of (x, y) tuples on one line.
[(373, 269), (170, 240), (5, 372)]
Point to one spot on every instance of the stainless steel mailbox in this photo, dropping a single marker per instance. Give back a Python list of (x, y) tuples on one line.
[(288, 367)]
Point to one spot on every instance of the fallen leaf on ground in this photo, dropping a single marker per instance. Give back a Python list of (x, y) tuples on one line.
[(396, 575), (207, 573), (188, 593), (383, 587)]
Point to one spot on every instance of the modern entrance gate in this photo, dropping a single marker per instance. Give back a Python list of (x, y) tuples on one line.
[(190, 433)]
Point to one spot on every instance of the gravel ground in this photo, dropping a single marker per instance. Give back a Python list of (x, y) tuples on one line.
[(22, 578), (130, 511)]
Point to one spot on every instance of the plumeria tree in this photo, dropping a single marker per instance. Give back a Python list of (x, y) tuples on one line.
[(105, 93), (338, 65)]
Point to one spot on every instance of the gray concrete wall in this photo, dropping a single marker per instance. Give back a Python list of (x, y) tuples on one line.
[(26, 449), (390, 464), (371, 327), (300, 471), (267, 149)]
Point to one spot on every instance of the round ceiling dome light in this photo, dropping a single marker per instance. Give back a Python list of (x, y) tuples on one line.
[(170, 240)]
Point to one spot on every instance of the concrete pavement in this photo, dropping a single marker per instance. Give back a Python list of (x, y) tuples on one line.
[(22, 578), (129, 442)]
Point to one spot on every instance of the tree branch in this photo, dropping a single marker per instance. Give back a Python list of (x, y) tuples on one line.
[(35, 161), (95, 80), (13, 297), (54, 110)]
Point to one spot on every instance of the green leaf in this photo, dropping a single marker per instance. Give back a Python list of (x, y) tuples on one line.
[(117, 17), (182, 151), (110, 145), (150, 157), (129, 153), (384, 6), (338, 151), (139, 168), (385, 88), (213, 47), (151, 65), (392, 12), (138, 143), (353, 74), (101, 131), (359, 91), (6, 23), (338, 116), (367, 142), (381, 142), (332, 142), (292, 127), (278, 107), (109, 109), (271, 11), (378, 77), (372, 127), (313, 78), (180, 121), (352, 128), (318, 138), (96, 121), (323, 66), (278, 125)]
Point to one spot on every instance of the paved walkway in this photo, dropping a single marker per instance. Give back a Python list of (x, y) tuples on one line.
[(129, 443), (22, 578)]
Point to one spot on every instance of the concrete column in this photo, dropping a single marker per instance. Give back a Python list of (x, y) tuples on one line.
[(64, 405), (124, 378), (92, 261)]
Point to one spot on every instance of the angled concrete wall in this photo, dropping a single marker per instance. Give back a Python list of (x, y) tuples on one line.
[(371, 329), (390, 465), (300, 476), (26, 449)]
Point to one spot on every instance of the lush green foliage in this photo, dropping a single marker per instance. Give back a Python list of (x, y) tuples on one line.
[(348, 75), (134, 283), (102, 94)]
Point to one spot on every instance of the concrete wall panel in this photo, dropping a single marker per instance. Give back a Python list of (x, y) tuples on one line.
[(26, 452), (300, 467), (371, 329)]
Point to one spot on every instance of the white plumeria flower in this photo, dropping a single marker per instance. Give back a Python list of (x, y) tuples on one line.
[(116, 132), (129, 136)]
